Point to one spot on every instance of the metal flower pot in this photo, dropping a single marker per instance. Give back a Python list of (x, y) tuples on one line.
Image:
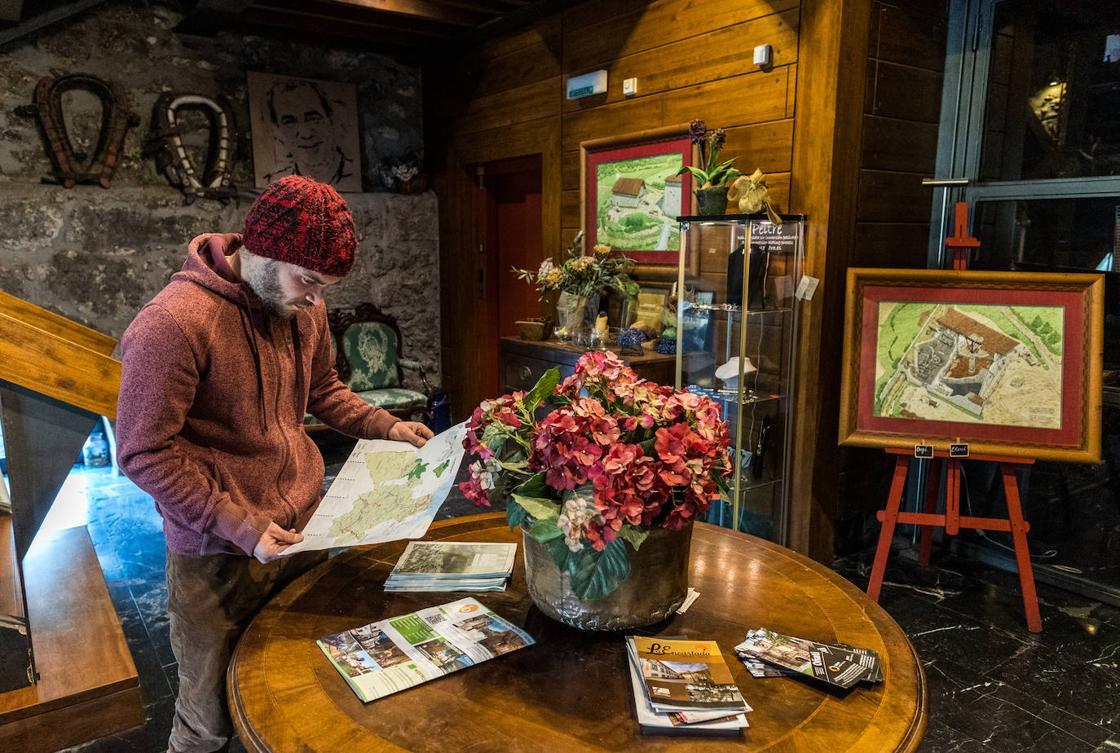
[(711, 201), (656, 587)]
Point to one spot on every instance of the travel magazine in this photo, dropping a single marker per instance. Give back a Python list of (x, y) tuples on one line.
[(452, 566), (683, 687), (391, 655)]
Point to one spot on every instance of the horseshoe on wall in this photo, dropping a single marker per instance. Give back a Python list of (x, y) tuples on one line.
[(115, 121), (165, 141)]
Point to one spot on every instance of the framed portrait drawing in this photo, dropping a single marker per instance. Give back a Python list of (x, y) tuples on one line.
[(1009, 362), (631, 195), (301, 126)]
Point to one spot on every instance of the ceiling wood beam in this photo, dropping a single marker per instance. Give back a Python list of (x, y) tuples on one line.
[(425, 9), (316, 27), (348, 15), (495, 7)]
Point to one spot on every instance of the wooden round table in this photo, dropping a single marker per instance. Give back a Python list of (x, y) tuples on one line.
[(571, 691)]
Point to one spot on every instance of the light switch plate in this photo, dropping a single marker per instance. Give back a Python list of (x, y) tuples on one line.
[(630, 87)]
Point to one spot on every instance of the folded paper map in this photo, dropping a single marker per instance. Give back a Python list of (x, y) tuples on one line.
[(386, 491)]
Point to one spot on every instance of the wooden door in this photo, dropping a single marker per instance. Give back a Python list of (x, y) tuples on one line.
[(509, 220)]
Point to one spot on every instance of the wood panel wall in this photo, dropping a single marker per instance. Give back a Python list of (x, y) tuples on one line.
[(505, 98), (901, 112), (848, 166)]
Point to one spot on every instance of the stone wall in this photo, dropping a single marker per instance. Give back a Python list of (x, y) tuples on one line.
[(97, 255)]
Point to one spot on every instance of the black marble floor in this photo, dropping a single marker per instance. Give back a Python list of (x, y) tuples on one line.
[(993, 687)]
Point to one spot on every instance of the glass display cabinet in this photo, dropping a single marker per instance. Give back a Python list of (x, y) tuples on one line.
[(736, 318)]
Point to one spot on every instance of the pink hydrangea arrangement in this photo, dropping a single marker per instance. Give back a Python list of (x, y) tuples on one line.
[(616, 457)]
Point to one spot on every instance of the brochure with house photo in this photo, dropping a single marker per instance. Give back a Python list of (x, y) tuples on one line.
[(682, 675)]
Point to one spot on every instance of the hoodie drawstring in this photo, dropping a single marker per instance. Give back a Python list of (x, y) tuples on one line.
[(246, 312), (300, 409)]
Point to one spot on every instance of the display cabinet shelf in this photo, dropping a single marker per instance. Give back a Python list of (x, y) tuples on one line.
[(736, 322), (727, 308)]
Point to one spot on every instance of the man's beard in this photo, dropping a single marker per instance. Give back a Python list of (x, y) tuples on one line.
[(265, 282)]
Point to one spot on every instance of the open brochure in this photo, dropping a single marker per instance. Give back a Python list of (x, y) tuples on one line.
[(384, 657)]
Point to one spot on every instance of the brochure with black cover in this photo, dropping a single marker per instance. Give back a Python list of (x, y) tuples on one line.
[(837, 665)]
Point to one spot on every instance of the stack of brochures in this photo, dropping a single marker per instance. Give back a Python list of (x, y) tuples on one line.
[(769, 654), (452, 566), (384, 657), (684, 687)]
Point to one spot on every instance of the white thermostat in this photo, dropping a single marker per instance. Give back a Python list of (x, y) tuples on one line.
[(764, 55), (587, 85)]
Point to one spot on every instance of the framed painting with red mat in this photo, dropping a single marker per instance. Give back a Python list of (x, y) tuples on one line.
[(1007, 362)]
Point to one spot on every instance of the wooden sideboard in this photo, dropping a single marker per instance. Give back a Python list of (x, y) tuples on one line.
[(523, 362)]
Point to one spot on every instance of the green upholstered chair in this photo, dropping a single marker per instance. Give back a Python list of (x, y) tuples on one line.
[(367, 344)]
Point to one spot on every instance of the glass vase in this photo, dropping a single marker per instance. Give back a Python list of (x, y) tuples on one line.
[(569, 315)]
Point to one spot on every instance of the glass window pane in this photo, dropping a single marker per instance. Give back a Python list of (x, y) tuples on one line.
[(1074, 510), (1053, 106)]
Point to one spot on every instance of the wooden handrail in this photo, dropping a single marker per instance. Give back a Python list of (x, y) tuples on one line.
[(56, 324), (53, 364)]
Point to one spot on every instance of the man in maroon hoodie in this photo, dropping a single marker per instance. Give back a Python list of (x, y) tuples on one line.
[(218, 371)]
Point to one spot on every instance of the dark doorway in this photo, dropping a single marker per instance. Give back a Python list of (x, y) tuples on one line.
[(510, 236)]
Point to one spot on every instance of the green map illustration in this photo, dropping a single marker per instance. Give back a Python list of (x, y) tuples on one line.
[(389, 501), (386, 491)]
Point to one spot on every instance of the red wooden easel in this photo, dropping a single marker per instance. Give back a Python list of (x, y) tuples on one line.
[(952, 520)]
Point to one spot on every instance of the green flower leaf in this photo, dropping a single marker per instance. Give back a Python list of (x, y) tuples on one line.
[(545, 530), (634, 535), (515, 514), (534, 486), (543, 388), (596, 574), (540, 509)]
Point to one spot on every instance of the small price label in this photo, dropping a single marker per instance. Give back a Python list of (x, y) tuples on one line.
[(806, 287), (923, 451), (959, 450)]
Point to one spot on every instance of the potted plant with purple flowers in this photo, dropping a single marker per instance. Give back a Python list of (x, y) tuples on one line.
[(713, 177)]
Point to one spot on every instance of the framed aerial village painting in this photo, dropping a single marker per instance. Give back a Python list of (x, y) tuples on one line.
[(631, 194), (1009, 362)]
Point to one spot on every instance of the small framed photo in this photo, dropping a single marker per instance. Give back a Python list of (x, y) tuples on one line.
[(1001, 363), (631, 195), (302, 126)]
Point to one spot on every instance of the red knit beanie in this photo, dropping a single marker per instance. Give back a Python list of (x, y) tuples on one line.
[(302, 222)]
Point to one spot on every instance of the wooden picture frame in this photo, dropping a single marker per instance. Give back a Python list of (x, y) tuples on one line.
[(1008, 362), (303, 126), (643, 185)]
